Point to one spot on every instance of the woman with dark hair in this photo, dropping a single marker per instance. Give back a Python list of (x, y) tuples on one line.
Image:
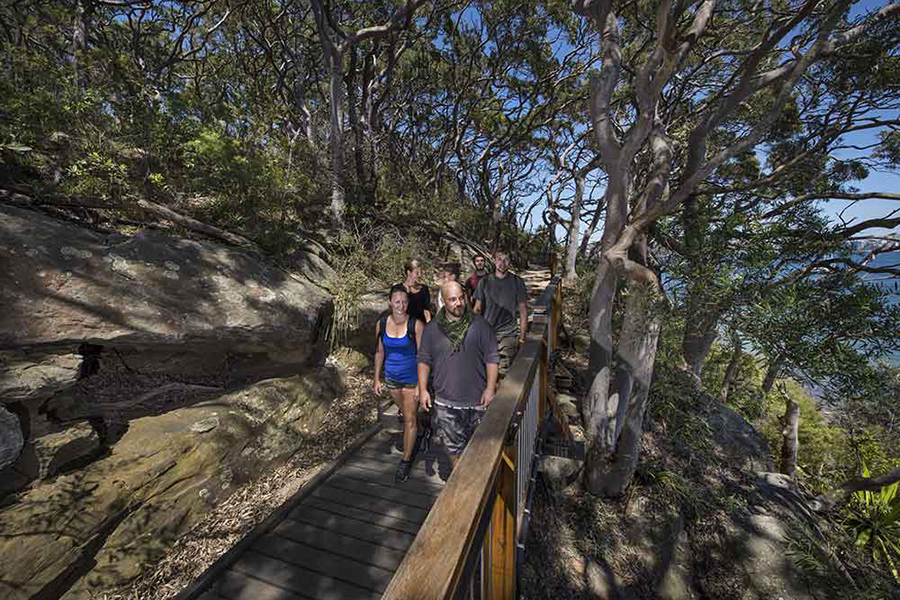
[(399, 336), (419, 296)]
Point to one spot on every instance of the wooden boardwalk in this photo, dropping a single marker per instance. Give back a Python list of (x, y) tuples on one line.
[(346, 532), (345, 539)]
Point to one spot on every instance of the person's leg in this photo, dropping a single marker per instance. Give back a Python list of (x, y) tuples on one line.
[(468, 422), (447, 425), (507, 347), (410, 424), (397, 397)]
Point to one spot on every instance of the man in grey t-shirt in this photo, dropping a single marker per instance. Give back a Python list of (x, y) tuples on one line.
[(459, 350), (502, 299)]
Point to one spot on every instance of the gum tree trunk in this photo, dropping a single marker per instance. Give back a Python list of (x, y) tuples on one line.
[(791, 445), (772, 373), (730, 371), (609, 473), (574, 225)]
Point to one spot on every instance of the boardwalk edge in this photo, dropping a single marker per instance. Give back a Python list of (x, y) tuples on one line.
[(206, 579)]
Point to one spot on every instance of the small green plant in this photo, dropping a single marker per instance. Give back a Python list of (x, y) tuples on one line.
[(874, 522)]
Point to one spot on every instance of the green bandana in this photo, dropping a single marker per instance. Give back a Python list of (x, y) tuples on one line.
[(455, 330)]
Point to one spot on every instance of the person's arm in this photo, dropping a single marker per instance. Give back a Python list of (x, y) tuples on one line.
[(379, 358), (420, 328), (523, 321), (493, 371), (479, 297), (424, 396), (522, 301)]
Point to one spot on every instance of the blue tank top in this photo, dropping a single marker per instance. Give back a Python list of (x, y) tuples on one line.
[(399, 358)]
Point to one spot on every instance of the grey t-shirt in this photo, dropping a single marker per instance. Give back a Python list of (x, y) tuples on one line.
[(500, 300), (459, 377)]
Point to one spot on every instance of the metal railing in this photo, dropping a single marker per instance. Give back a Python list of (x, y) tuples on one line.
[(469, 545)]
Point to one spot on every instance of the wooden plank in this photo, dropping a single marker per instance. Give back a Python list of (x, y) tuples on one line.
[(366, 516), (203, 582), (362, 530), (502, 537), (434, 563), (399, 493), (237, 586), (329, 564), (416, 484), (370, 552), (370, 503), (297, 580), (385, 451), (420, 469)]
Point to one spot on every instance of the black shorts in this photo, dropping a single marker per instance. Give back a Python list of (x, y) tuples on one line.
[(456, 424), (393, 384)]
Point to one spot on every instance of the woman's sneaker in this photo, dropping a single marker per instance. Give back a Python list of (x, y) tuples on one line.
[(403, 470)]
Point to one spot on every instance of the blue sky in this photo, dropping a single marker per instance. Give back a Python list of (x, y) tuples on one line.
[(877, 181)]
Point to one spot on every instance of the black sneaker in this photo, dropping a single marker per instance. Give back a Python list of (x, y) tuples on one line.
[(403, 470)]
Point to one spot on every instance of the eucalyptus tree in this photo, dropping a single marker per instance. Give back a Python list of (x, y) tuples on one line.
[(341, 33), (667, 111), (573, 166), (507, 74)]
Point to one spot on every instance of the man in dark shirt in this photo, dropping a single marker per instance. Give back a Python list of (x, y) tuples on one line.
[(459, 350), (475, 277), (502, 299)]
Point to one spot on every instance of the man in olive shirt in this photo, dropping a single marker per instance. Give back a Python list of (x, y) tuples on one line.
[(459, 351), (499, 297)]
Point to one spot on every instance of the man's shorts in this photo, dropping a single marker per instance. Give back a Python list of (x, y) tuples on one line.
[(507, 347), (393, 384), (456, 424)]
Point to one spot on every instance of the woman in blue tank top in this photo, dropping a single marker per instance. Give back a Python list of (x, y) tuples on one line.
[(396, 353)]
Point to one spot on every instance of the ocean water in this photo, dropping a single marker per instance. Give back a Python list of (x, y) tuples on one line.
[(889, 283)]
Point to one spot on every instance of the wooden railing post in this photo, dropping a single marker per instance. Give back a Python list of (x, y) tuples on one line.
[(500, 582), (543, 373)]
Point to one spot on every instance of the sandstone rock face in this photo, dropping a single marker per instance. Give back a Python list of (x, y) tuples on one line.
[(28, 376), (61, 284), (350, 361), (362, 338), (11, 438), (744, 447), (150, 302), (57, 452), (96, 527)]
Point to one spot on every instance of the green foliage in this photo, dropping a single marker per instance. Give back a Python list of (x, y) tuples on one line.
[(346, 288), (364, 262), (874, 521), (824, 450), (745, 395)]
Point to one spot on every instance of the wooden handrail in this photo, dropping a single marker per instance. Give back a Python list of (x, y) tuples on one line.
[(434, 564)]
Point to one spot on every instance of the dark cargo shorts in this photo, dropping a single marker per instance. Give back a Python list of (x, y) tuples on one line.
[(507, 347), (456, 424)]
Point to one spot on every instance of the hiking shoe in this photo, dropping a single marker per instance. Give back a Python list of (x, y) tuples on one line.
[(403, 470)]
